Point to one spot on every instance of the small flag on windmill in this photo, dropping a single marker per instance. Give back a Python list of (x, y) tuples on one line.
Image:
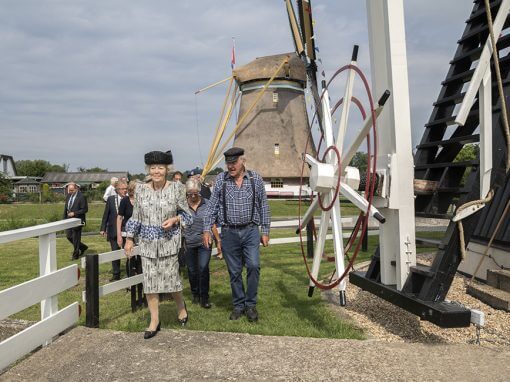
[(233, 58)]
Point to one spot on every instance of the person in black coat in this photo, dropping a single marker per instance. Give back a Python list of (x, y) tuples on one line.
[(109, 223), (75, 207)]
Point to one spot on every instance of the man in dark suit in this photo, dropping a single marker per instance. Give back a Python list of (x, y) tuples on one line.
[(109, 222), (75, 207)]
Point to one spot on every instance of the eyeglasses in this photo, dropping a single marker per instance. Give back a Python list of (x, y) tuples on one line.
[(192, 194)]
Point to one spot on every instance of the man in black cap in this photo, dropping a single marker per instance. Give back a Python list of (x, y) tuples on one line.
[(239, 205)]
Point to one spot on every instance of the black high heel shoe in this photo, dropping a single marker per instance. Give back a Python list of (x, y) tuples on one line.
[(184, 320), (151, 333)]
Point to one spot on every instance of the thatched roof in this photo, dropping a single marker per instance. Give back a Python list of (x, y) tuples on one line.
[(264, 67)]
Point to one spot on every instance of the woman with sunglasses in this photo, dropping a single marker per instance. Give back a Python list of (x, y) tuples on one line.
[(198, 256)]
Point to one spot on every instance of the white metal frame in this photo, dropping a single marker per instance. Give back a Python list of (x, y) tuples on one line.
[(43, 289)]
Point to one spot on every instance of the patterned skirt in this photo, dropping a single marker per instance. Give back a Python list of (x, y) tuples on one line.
[(161, 274)]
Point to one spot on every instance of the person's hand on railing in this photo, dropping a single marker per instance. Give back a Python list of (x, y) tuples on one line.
[(128, 247)]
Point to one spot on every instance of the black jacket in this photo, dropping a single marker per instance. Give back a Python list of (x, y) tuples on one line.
[(79, 207), (109, 222)]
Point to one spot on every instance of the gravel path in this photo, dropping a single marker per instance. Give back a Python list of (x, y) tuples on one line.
[(384, 321)]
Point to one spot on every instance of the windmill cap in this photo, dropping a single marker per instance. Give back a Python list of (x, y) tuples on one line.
[(232, 154)]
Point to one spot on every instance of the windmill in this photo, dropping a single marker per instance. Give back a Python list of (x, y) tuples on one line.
[(273, 125), (277, 128)]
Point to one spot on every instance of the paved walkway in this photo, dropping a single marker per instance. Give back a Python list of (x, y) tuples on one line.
[(101, 355)]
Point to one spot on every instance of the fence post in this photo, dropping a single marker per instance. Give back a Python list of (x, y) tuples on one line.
[(48, 264), (92, 291)]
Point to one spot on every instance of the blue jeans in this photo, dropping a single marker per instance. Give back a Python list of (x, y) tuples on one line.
[(197, 260), (240, 247)]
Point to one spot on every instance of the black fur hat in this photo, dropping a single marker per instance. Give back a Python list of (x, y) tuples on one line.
[(159, 157)]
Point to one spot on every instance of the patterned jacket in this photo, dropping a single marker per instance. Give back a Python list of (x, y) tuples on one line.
[(150, 210)]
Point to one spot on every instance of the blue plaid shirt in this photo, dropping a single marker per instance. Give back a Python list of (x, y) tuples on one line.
[(239, 203)]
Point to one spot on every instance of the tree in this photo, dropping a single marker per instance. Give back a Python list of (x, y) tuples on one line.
[(469, 152), (359, 160), (5, 189), (47, 195), (92, 169), (38, 167), (140, 176), (216, 171)]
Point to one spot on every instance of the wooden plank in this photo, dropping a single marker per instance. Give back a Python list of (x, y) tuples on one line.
[(289, 240), (38, 230), (118, 285), (422, 186), (107, 257), (22, 343), (19, 297)]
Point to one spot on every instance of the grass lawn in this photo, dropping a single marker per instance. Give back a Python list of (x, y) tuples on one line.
[(284, 307), (14, 216)]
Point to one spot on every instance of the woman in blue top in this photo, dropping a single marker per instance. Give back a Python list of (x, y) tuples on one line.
[(198, 256)]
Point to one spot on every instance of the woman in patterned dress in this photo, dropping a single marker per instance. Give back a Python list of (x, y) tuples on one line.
[(160, 209)]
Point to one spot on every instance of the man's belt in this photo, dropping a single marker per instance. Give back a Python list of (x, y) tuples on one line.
[(238, 226)]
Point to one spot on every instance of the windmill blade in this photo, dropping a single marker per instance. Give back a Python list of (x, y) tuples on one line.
[(305, 23), (305, 18), (296, 34)]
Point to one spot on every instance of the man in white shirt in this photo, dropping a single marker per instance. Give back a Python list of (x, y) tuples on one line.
[(110, 190)]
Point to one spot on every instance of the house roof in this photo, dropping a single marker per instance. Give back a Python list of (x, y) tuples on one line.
[(28, 180), (82, 177)]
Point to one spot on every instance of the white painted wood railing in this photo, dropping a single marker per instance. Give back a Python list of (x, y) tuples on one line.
[(43, 289)]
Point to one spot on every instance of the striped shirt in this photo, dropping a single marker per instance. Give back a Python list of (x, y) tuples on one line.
[(193, 232), (239, 203)]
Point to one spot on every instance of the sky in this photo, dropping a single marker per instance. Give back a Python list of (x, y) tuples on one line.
[(99, 83)]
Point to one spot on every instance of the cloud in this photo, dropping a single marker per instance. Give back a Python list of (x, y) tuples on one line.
[(97, 83)]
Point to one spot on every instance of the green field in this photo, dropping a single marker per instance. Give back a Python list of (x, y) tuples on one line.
[(284, 307), (14, 216)]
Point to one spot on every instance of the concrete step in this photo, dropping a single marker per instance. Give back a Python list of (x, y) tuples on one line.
[(489, 295), (499, 278)]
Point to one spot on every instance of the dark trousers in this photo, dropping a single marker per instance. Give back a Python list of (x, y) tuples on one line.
[(197, 261), (240, 247), (115, 263), (74, 237)]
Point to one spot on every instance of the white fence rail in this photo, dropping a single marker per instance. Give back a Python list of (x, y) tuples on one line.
[(43, 289)]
